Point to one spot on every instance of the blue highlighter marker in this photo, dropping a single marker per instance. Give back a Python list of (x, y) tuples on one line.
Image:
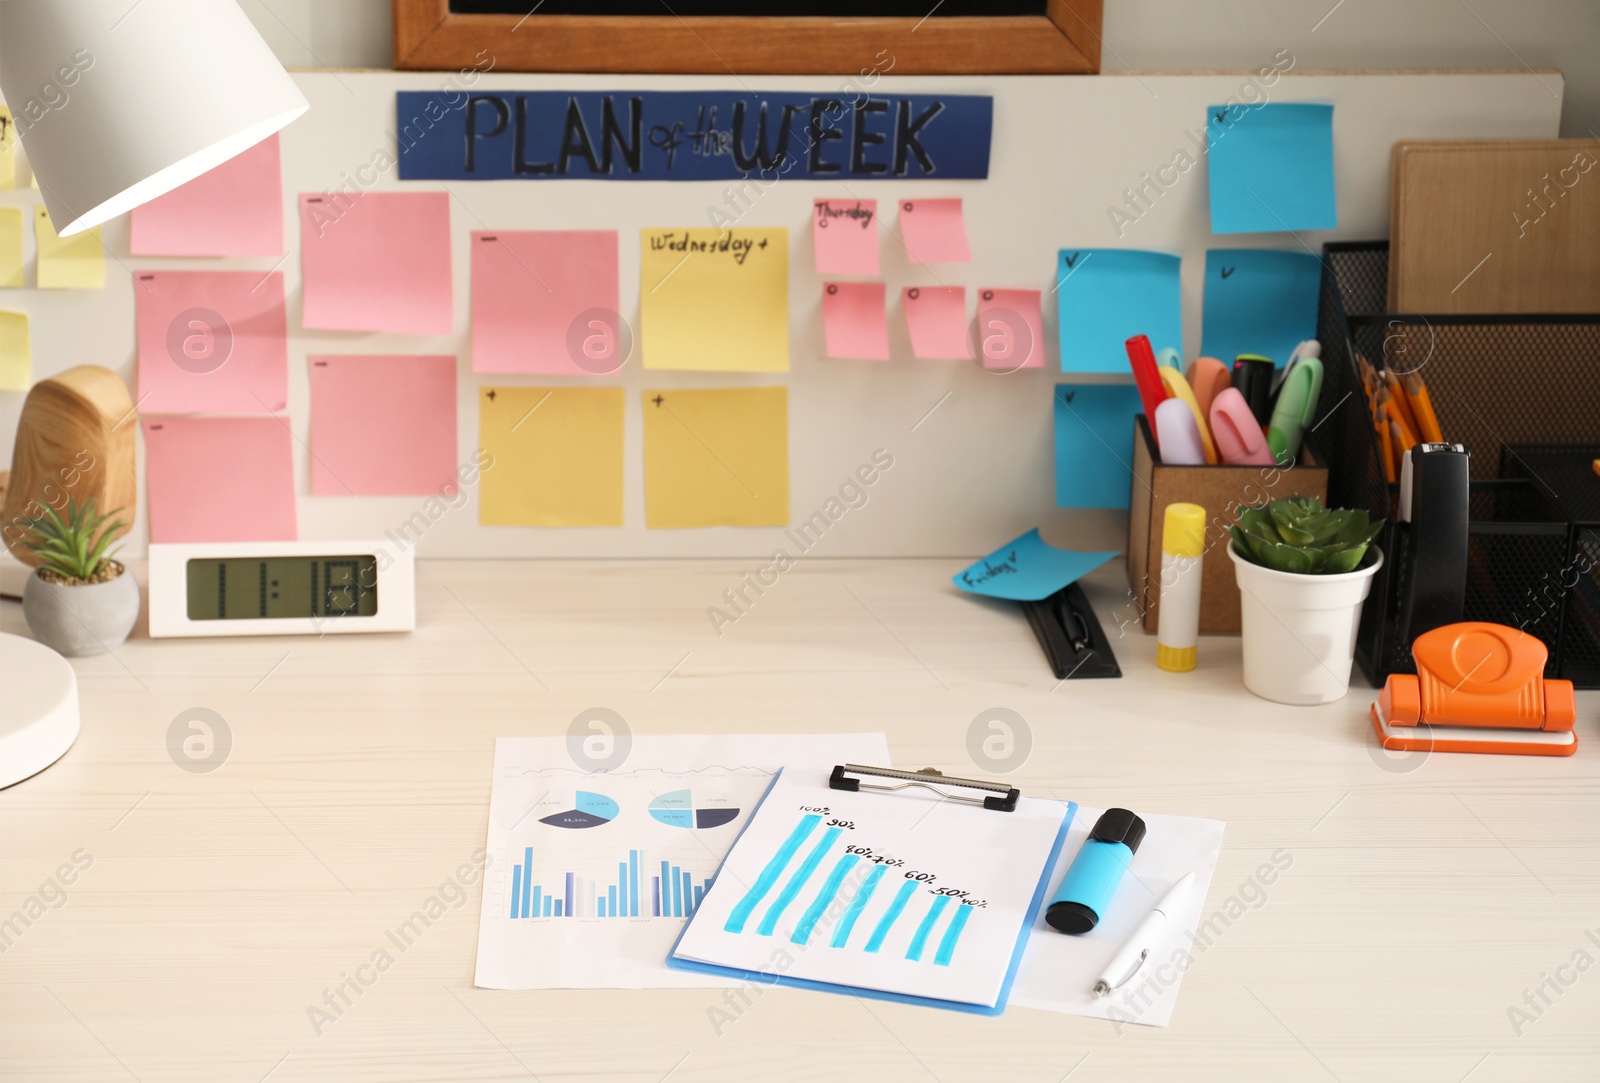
[(1093, 877)]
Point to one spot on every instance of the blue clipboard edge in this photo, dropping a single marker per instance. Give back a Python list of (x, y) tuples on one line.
[(764, 978)]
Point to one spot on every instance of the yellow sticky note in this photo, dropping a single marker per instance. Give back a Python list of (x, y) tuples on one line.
[(557, 456), (716, 458), (76, 263), (16, 352), (716, 300), (11, 248)]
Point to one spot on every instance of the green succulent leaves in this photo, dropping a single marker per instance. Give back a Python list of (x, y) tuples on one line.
[(74, 547), (1301, 536)]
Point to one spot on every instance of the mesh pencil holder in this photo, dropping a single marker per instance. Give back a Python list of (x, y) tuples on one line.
[(1519, 391)]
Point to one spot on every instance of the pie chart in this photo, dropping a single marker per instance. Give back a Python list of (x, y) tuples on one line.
[(677, 809), (593, 809)]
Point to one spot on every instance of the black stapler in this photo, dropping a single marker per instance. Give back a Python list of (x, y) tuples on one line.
[(1070, 634)]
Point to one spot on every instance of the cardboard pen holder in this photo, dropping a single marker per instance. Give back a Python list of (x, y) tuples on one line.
[(1222, 491)]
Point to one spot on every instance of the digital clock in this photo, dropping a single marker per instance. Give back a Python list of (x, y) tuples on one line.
[(281, 588)]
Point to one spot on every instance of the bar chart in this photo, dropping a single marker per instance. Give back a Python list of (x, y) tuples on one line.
[(807, 879), (635, 886)]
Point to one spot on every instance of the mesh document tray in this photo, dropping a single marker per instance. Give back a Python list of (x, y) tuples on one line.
[(1519, 391)]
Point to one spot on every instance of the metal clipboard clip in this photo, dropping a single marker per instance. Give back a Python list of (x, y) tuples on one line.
[(991, 795)]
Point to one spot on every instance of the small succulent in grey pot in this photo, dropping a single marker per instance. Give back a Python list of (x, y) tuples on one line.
[(79, 600)]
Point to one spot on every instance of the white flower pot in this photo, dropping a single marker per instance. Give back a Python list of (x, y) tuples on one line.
[(1299, 631)]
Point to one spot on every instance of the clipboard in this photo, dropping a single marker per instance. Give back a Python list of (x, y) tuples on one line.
[(969, 797)]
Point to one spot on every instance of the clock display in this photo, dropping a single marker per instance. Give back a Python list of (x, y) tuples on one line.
[(252, 588)]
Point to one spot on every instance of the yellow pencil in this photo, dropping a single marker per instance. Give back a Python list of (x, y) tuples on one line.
[(1421, 404)]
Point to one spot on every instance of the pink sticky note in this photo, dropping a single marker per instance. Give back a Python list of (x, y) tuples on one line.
[(1010, 331), (377, 261), (546, 301), (219, 479), (234, 210), (845, 232), (937, 319), (383, 425), (211, 342), (934, 231), (854, 320)]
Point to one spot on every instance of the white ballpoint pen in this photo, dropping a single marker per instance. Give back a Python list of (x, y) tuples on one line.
[(1131, 956)]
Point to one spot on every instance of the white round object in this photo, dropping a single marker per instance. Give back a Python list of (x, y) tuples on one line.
[(38, 710), (117, 102)]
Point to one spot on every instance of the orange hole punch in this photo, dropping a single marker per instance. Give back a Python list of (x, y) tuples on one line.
[(1479, 687)]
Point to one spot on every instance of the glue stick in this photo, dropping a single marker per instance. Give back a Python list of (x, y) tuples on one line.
[(1183, 544)]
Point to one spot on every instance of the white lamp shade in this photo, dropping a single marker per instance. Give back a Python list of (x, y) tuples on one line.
[(118, 101)]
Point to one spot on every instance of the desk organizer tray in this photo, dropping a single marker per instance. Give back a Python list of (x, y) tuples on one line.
[(1518, 391)]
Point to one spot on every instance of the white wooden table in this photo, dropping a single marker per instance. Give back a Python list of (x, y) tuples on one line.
[(1424, 898)]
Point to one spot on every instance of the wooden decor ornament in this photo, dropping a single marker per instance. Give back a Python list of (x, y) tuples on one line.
[(75, 440)]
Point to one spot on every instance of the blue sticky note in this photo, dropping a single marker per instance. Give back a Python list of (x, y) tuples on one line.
[(1259, 301), (1027, 570), (1105, 296), (1271, 167), (1094, 444)]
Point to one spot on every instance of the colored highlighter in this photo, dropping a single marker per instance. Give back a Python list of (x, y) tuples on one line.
[(1297, 403), (1177, 439), (1179, 389), (1093, 877), (1236, 431), (1152, 392), (1208, 376), (1252, 378)]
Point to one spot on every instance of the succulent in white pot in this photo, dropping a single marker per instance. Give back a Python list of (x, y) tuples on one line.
[(1303, 572), (78, 601)]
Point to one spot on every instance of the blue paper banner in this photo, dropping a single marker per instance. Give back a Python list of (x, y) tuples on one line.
[(690, 135)]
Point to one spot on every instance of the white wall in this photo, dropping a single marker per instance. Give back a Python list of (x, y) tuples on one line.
[(974, 460), (1167, 35)]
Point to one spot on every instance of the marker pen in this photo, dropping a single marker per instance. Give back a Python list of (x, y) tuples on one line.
[(1093, 877)]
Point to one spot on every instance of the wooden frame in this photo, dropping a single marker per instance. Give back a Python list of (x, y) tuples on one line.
[(1066, 40)]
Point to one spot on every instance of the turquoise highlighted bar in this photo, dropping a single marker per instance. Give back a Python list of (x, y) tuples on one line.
[(797, 882), (886, 922), (919, 939), (825, 897), (841, 935), (947, 946), (740, 915)]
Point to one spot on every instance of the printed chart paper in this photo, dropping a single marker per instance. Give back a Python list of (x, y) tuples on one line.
[(383, 425), (1094, 444), (901, 892), (592, 869), (211, 342), (16, 352), (546, 301), (1259, 301), (77, 262), (845, 234), (1271, 167), (715, 300), (234, 210), (855, 321), (1010, 330), (936, 317), (377, 261), (1059, 971), (1105, 296), (716, 458), (934, 231), (219, 479), (1026, 569), (556, 456)]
